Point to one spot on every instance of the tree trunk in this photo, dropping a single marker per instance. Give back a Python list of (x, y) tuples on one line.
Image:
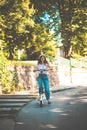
[(11, 51)]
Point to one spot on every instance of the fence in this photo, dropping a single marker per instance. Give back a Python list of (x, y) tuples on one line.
[(72, 71)]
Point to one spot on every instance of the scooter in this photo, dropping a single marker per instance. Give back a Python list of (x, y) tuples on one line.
[(41, 96)]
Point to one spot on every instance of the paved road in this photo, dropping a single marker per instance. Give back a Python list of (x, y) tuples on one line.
[(68, 111)]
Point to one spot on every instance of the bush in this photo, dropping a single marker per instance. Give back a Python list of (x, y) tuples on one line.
[(76, 56), (7, 80)]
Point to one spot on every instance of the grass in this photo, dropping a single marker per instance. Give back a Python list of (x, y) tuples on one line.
[(23, 63)]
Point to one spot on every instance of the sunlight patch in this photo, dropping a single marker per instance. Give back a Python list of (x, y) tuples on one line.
[(49, 126), (20, 123), (84, 100), (65, 98), (65, 114), (56, 110)]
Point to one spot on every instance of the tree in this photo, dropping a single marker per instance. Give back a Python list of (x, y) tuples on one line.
[(42, 41), (20, 19), (73, 27), (17, 16), (21, 28), (72, 20)]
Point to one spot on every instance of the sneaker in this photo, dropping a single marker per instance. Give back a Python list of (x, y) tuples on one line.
[(49, 102)]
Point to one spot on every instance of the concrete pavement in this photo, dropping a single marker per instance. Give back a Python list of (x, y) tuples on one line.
[(68, 111), (48, 110)]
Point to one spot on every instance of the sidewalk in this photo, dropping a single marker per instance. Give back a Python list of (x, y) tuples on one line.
[(63, 87), (67, 111), (8, 124)]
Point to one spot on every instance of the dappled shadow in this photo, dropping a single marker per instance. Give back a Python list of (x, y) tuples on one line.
[(66, 112)]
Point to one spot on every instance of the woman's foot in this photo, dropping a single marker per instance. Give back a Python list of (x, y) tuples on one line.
[(49, 102)]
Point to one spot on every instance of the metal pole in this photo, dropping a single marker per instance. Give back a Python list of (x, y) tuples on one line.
[(70, 70)]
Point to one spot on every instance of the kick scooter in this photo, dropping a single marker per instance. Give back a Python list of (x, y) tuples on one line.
[(41, 94), (41, 72)]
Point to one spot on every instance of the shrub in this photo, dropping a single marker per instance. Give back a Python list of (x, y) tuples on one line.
[(7, 80)]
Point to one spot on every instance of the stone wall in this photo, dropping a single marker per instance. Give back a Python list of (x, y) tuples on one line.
[(27, 78)]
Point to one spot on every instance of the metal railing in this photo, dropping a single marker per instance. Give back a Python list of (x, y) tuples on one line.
[(72, 70)]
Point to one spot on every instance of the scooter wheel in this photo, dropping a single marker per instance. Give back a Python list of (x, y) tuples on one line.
[(41, 104)]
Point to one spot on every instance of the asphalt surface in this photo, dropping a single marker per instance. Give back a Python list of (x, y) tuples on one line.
[(68, 111)]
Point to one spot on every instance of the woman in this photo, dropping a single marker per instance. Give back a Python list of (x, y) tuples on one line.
[(43, 81)]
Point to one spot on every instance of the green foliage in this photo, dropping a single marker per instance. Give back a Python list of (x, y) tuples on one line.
[(21, 27), (8, 80), (20, 31), (74, 25), (72, 22), (17, 18), (42, 42), (76, 56)]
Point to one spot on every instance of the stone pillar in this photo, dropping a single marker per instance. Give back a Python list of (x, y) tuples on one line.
[(0, 90)]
